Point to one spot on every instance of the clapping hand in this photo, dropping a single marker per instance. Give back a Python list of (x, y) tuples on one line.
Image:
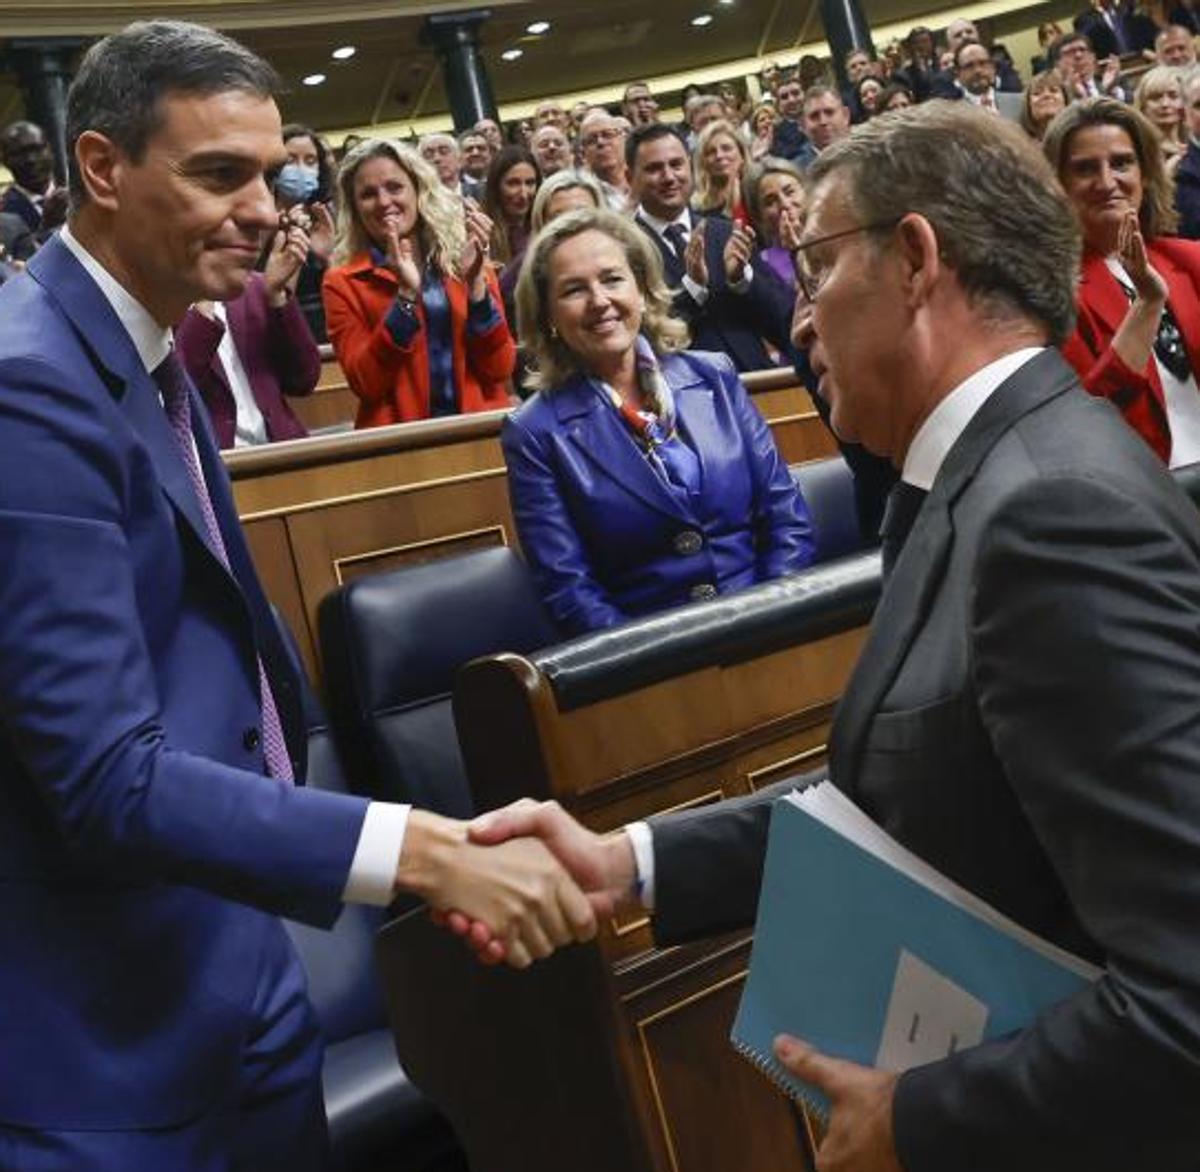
[(475, 251), (400, 256), (289, 250), (791, 228), (1110, 71), (738, 250), (321, 232), (1131, 251)]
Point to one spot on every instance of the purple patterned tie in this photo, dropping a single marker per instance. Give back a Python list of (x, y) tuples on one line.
[(173, 382)]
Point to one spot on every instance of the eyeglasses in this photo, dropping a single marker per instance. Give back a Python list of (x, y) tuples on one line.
[(596, 137), (812, 276)]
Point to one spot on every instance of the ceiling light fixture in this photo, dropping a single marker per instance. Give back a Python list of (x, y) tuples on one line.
[(512, 54), (344, 53), (313, 79), (701, 20), (538, 27)]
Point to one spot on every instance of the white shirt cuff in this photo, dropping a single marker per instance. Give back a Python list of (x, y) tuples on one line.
[(743, 284), (372, 877), (641, 838), (697, 292)]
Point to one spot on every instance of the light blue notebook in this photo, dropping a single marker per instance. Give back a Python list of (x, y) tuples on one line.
[(868, 953)]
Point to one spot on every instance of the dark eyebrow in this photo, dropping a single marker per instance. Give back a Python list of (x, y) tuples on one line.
[(207, 160)]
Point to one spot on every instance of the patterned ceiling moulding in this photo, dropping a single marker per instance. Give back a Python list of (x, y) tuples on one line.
[(63, 17)]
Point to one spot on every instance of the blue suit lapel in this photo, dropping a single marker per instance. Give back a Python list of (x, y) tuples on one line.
[(695, 411), (115, 356), (596, 430)]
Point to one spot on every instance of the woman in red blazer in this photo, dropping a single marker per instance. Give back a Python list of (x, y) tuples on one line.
[(1137, 338), (414, 313)]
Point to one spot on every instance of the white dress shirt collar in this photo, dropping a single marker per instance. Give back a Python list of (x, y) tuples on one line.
[(949, 419), (153, 342), (684, 220)]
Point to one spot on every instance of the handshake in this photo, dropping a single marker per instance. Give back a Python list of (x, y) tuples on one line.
[(519, 882)]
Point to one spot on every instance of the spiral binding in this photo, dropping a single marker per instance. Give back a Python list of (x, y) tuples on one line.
[(769, 1065)]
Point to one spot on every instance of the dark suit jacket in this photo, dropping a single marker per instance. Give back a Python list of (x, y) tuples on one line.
[(1139, 31), (1024, 715), (139, 837), (17, 203), (603, 535), (1187, 193), (728, 322), (1101, 306), (277, 352)]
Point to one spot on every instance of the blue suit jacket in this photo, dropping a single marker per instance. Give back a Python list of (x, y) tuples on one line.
[(604, 536), (133, 806)]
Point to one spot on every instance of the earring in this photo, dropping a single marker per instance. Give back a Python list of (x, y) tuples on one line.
[(554, 333)]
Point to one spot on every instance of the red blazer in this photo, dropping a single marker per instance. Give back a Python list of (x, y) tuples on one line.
[(1101, 305), (391, 381), (277, 352)]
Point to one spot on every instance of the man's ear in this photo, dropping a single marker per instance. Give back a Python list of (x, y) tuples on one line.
[(918, 247), (101, 163)]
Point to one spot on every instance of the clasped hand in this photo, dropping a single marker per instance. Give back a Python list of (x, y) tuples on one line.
[(514, 890)]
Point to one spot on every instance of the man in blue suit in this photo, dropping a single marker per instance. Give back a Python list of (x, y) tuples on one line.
[(150, 731), (730, 299)]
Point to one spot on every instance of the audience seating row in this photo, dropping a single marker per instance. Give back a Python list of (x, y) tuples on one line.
[(324, 511)]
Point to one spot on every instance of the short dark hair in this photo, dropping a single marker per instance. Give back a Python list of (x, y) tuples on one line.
[(123, 78), (1056, 46), (641, 134), (1002, 224)]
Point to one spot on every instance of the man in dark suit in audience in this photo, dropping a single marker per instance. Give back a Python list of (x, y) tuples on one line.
[(1187, 174), (730, 300), (155, 1013), (1116, 28), (789, 140), (29, 159), (1024, 714)]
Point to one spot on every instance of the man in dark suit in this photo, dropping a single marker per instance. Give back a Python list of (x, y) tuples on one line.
[(28, 157), (729, 298), (1024, 714), (150, 724), (1115, 28)]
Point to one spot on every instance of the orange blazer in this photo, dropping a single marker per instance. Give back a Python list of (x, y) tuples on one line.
[(391, 381), (1101, 306)]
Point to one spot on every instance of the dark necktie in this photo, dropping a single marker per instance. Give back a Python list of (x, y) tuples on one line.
[(903, 504), (174, 384), (676, 236)]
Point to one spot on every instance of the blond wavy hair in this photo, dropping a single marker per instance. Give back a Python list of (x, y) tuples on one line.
[(440, 228), (708, 196), (553, 361)]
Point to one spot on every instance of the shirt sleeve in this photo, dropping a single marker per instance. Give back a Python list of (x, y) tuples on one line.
[(372, 878), (641, 838)]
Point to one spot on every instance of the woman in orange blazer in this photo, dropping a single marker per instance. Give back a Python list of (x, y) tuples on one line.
[(1137, 335), (413, 310)]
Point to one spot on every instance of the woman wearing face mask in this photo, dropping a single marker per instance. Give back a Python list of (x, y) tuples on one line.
[(414, 310), (641, 475), (303, 194)]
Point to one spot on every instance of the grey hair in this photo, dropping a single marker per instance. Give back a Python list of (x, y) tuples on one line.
[(122, 80), (1002, 222), (554, 362), (568, 180)]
